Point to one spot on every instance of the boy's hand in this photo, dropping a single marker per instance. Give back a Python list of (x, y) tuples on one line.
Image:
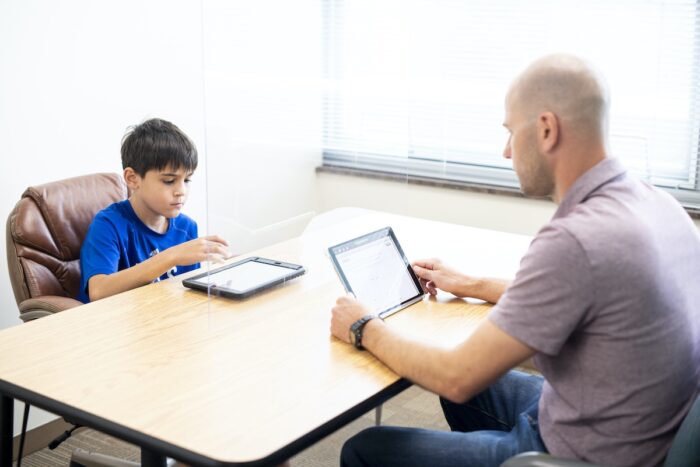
[(210, 248)]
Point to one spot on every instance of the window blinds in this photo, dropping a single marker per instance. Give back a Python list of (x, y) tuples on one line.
[(417, 87)]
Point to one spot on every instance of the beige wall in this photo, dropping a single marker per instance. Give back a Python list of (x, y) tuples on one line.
[(497, 212)]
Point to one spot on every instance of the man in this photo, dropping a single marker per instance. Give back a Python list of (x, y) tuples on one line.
[(606, 301)]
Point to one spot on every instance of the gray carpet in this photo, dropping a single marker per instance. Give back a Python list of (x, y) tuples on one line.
[(414, 407)]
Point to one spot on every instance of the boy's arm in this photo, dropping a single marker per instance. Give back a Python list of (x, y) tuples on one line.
[(106, 285), (211, 248)]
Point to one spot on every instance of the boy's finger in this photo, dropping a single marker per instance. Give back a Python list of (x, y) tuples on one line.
[(217, 239), (213, 258), (220, 252)]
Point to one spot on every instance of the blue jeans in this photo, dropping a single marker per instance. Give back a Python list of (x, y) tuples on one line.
[(496, 424)]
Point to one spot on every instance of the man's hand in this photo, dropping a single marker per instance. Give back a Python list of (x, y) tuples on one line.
[(346, 311), (211, 248), (434, 275)]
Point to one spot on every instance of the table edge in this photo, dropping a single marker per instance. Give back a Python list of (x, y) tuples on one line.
[(142, 440)]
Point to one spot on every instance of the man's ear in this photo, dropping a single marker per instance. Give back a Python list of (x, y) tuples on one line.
[(132, 179), (548, 131)]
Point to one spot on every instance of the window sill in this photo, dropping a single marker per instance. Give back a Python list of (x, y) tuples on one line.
[(439, 183)]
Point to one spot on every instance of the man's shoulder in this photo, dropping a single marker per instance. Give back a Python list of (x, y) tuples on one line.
[(625, 231), (558, 234), (625, 209)]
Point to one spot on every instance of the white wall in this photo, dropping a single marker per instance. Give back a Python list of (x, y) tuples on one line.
[(263, 98), (488, 211), (75, 74), (496, 212)]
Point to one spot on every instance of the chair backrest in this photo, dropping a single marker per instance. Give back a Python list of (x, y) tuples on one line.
[(46, 229), (685, 449)]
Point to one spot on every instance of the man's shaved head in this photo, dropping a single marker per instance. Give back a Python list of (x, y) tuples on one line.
[(566, 86), (557, 115)]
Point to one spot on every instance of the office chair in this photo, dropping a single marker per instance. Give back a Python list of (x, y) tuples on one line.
[(45, 231), (44, 234), (685, 448)]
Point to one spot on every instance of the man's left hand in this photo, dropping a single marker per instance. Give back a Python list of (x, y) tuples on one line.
[(346, 311)]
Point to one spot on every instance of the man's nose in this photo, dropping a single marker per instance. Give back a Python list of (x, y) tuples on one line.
[(506, 151)]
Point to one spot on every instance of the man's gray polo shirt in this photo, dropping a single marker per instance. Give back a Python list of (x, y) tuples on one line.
[(608, 294)]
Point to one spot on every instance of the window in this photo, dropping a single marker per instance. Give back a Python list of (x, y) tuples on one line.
[(416, 87)]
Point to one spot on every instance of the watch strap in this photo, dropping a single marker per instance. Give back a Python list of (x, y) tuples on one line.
[(357, 328)]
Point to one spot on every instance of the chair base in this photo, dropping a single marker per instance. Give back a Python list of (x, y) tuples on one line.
[(82, 458)]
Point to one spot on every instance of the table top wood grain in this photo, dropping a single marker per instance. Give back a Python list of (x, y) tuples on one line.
[(240, 381)]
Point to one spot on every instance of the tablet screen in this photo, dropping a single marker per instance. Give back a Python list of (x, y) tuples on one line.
[(245, 276), (376, 271)]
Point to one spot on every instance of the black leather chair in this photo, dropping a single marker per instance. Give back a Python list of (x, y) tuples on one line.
[(684, 452)]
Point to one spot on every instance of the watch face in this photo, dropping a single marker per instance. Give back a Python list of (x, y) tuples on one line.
[(352, 335)]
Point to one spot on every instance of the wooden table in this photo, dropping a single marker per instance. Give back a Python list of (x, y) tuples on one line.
[(212, 381)]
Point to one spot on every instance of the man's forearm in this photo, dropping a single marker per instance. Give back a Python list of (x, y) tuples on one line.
[(428, 366), (457, 373), (487, 288)]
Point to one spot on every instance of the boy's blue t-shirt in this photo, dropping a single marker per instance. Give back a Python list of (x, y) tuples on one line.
[(117, 239)]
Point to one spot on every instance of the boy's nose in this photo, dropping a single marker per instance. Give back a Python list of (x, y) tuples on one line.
[(180, 190)]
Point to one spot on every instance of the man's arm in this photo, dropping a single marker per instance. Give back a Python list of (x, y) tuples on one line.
[(211, 248), (433, 275), (456, 374)]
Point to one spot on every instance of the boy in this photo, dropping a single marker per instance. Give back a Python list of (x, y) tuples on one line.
[(145, 238)]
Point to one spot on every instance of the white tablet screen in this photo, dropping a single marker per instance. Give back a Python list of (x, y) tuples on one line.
[(377, 274), (246, 276)]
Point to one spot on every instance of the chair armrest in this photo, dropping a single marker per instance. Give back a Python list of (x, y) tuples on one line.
[(539, 459), (45, 305)]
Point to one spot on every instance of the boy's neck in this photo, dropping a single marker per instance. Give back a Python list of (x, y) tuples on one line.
[(152, 220)]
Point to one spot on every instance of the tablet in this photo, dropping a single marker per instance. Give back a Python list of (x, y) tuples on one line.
[(375, 270), (245, 277)]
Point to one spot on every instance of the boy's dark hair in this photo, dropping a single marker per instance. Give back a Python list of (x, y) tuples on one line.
[(157, 144)]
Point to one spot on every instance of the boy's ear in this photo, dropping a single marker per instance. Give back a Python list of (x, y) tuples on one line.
[(132, 179)]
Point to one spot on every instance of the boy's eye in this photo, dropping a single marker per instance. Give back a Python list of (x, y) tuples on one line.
[(168, 182), (188, 180)]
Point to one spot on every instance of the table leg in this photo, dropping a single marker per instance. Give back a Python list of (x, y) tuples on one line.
[(7, 410), (151, 458)]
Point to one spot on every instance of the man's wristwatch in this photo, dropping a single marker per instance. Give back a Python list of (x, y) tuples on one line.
[(357, 328)]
